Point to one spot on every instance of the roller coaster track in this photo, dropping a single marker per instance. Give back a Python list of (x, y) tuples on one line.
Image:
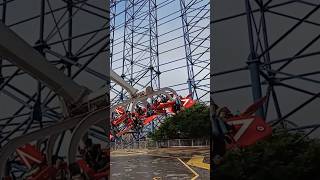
[(11, 146), (19, 52)]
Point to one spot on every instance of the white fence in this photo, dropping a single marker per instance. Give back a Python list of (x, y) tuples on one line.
[(149, 144)]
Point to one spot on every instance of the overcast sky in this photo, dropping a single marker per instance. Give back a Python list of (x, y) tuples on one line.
[(172, 63)]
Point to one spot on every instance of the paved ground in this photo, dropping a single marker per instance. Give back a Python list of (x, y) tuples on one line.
[(148, 167), (164, 164)]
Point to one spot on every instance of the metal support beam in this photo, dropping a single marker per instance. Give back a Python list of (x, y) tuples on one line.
[(24, 56), (3, 20), (253, 62), (187, 44)]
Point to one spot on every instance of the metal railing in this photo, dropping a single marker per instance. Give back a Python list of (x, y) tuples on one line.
[(150, 144)]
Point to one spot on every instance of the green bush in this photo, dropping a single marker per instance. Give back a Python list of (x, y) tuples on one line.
[(280, 157), (189, 124)]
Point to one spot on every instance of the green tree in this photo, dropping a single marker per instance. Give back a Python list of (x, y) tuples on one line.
[(191, 123), (283, 156)]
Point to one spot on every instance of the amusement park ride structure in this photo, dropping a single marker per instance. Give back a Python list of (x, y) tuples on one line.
[(153, 48), (276, 44), (137, 61), (83, 108), (35, 132)]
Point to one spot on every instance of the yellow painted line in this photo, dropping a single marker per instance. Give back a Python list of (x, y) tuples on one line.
[(197, 161), (195, 173)]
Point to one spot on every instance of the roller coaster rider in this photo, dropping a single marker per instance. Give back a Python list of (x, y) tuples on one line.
[(93, 155), (114, 130), (113, 127), (223, 114), (221, 131), (164, 98), (150, 111), (177, 105), (129, 116), (139, 110), (137, 122)]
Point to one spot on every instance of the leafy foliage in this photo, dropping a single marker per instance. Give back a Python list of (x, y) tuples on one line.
[(191, 123), (281, 157)]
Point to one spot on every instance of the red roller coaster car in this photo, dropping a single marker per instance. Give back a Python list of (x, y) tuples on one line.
[(145, 115), (244, 129)]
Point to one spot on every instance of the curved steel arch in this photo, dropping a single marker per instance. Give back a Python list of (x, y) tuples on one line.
[(53, 27), (61, 54), (10, 147), (15, 49)]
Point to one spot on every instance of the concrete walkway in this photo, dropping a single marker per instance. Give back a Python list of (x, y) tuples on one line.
[(164, 163)]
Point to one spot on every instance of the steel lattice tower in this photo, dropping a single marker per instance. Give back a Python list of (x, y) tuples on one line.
[(161, 43), (140, 48), (274, 53), (194, 16), (148, 47), (72, 36), (146, 50)]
